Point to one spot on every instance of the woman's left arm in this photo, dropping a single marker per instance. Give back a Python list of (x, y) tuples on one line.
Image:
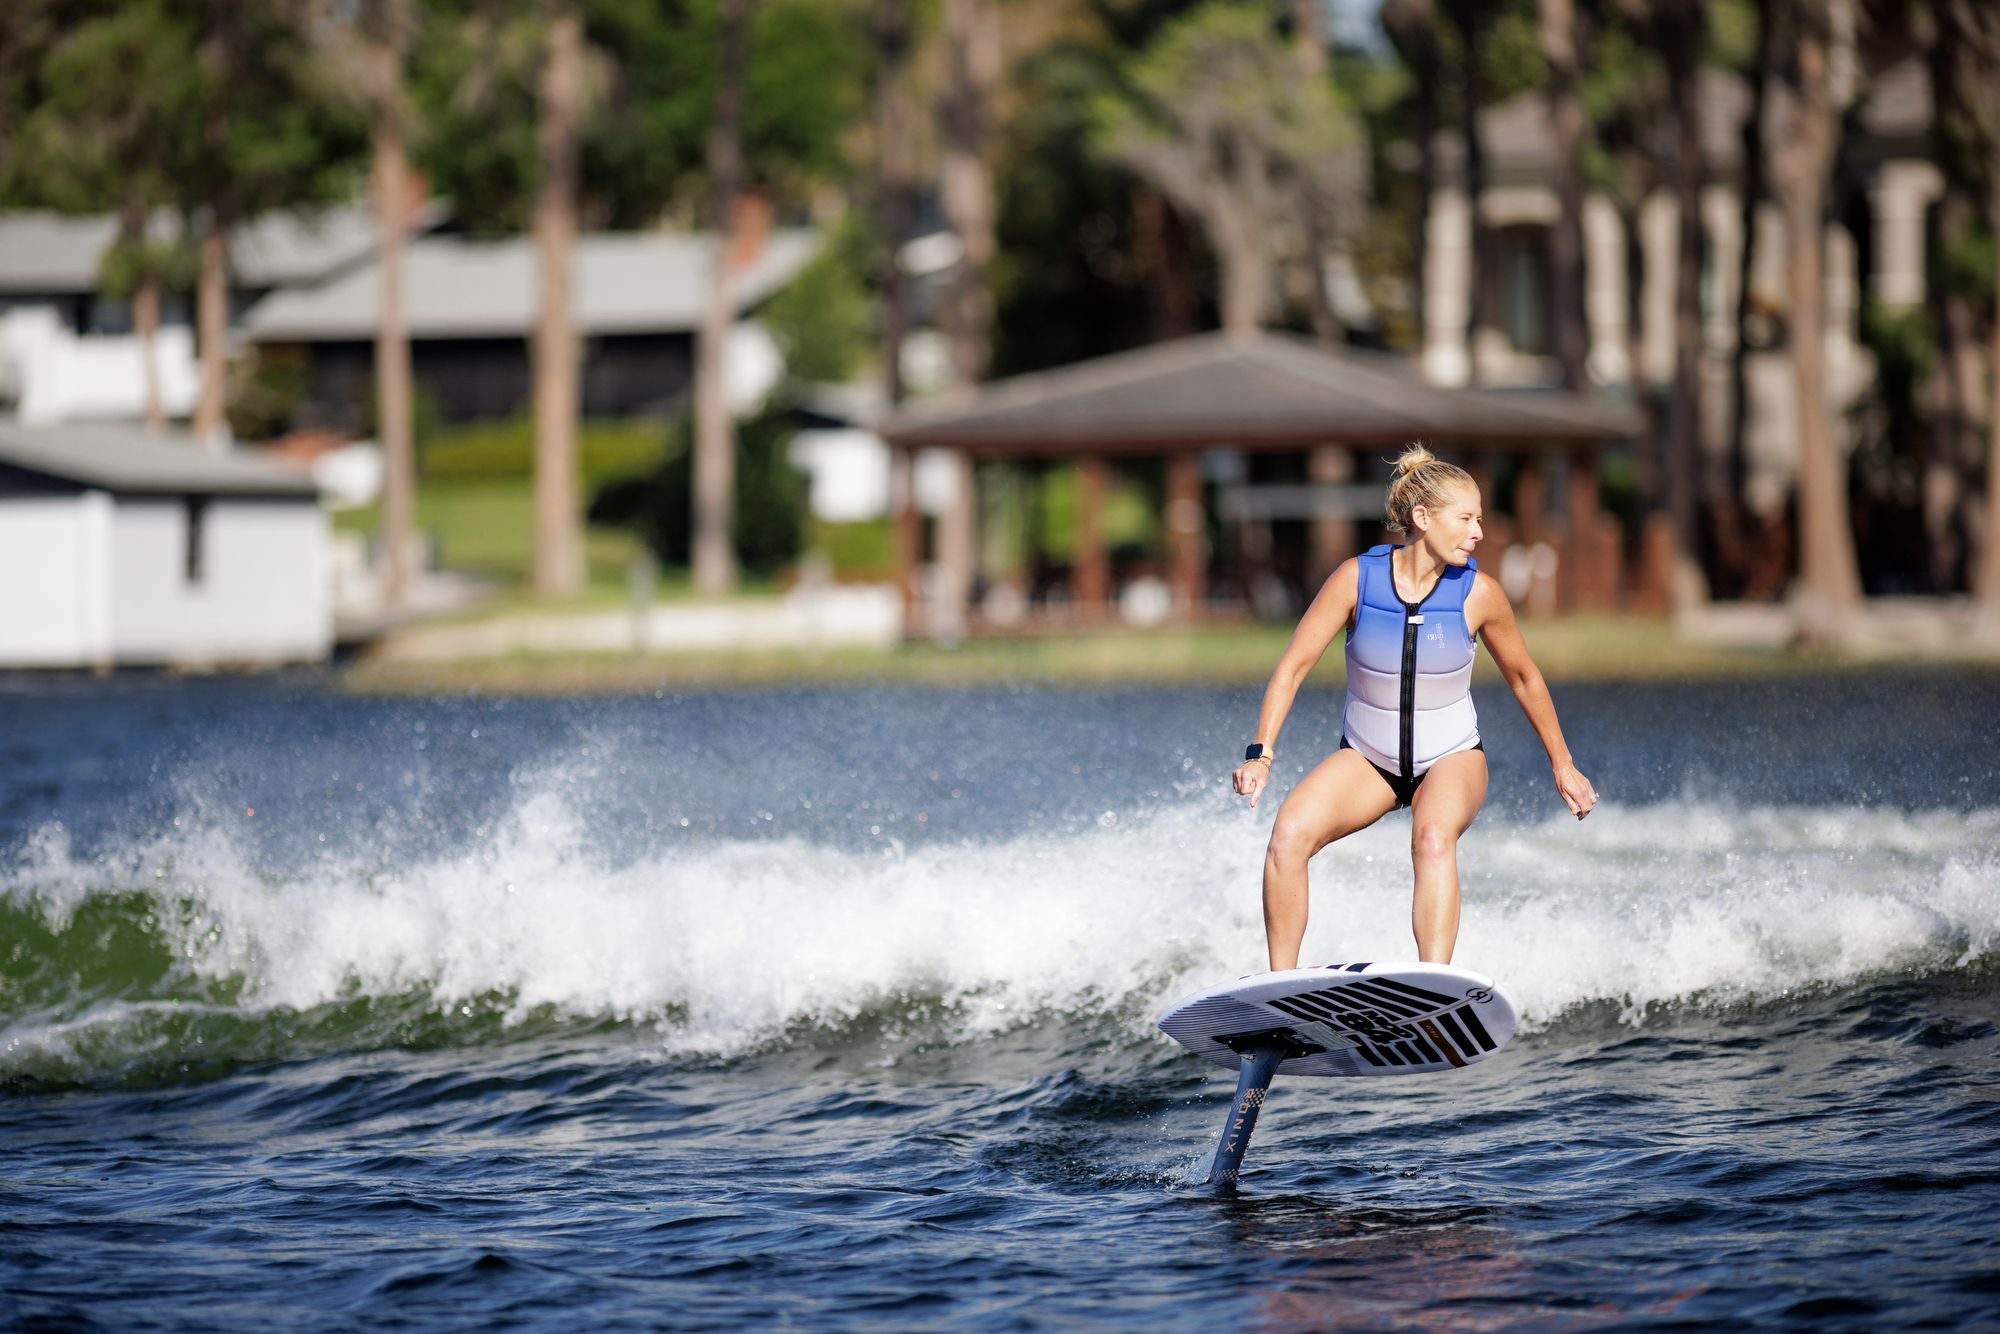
[(1490, 615)]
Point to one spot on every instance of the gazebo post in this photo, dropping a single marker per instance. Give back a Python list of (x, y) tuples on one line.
[(1187, 523), (1582, 581), (1093, 559), (906, 531), (958, 550), (1332, 539)]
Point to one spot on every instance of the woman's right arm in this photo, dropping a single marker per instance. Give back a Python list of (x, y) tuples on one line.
[(1326, 617)]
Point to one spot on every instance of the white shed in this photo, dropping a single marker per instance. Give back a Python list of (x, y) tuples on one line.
[(118, 547)]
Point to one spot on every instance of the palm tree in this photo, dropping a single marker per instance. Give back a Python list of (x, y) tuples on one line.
[(558, 561), (714, 442), (1679, 29), (386, 26), (1829, 578), (1560, 49)]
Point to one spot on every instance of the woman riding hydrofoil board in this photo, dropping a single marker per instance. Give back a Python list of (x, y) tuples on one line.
[(1411, 614)]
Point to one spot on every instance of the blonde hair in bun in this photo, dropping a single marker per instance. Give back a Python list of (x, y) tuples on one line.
[(1422, 478)]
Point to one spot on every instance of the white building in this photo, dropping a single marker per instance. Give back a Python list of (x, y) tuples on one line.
[(117, 547)]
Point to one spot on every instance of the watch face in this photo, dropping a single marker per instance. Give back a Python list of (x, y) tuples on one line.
[(1253, 751)]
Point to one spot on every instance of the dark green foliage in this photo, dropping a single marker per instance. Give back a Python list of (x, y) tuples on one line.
[(650, 91), (1892, 437), (822, 320), (279, 127), (266, 390), (1065, 282), (769, 521), (505, 450)]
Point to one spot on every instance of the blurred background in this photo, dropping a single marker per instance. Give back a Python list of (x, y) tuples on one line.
[(456, 330)]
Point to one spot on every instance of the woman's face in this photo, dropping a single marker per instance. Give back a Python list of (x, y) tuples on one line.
[(1452, 529)]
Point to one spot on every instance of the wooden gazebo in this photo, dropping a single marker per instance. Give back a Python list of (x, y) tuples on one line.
[(1253, 393)]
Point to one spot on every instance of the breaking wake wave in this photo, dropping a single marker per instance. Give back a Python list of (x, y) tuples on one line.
[(179, 955)]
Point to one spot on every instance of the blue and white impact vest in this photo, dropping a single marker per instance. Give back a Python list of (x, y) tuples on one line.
[(1409, 669)]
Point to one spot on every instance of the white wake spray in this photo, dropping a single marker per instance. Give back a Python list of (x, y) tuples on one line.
[(728, 944)]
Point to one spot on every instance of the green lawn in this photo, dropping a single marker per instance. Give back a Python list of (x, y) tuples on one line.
[(1601, 648)]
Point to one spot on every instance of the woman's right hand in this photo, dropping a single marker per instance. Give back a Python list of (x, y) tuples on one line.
[(1251, 778)]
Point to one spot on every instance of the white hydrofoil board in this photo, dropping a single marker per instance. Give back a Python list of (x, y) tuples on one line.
[(1350, 1019)]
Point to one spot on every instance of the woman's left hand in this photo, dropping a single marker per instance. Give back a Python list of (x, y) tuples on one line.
[(1577, 793)]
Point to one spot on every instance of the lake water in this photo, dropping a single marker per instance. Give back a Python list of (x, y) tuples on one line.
[(835, 1009)]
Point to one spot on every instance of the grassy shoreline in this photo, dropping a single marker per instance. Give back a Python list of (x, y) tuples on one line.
[(1574, 649)]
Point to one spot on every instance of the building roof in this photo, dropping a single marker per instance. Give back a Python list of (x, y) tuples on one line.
[(1255, 391), (126, 460), (44, 252), (457, 287)]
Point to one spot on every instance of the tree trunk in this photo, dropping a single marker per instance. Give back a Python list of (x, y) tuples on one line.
[(1986, 582), (715, 569), (1246, 273), (1954, 446), (972, 36), (393, 392), (1159, 248), (211, 429), (558, 540), (145, 309), (895, 209), (146, 324), (1754, 191), (1559, 48), (972, 32), (1471, 17), (1681, 27), (1309, 48), (1409, 25), (1830, 582)]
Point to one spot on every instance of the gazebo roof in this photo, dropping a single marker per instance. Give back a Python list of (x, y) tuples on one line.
[(1247, 391)]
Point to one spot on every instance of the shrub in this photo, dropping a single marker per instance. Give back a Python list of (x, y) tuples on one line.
[(505, 450), (769, 520)]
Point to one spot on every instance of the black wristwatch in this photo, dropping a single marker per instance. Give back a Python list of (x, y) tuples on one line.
[(1255, 751)]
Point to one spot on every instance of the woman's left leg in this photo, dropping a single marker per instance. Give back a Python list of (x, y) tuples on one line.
[(1446, 802)]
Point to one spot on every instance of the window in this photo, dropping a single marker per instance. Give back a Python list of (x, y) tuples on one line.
[(1522, 255), (196, 534)]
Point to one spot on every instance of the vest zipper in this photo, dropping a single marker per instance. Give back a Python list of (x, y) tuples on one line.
[(1412, 618), (1407, 739)]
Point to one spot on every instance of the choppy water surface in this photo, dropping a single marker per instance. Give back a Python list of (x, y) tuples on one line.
[(835, 1009)]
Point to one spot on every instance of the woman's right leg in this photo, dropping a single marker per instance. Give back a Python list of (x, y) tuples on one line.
[(1342, 794)]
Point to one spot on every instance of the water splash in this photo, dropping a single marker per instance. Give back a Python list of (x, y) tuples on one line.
[(129, 958)]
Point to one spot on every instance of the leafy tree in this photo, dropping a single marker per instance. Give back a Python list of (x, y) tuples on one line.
[(277, 130), (1829, 578), (638, 99), (109, 127), (1223, 121)]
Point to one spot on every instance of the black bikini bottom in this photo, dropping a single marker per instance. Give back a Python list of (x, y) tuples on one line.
[(1404, 788)]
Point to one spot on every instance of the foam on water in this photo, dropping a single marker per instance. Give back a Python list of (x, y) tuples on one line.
[(727, 945)]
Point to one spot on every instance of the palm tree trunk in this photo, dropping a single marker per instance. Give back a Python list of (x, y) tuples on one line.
[(393, 391), (212, 327), (895, 209), (146, 324), (972, 32), (1559, 48), (1986, 583), (1681, 27), (1754, 190), (1830, 580), (715, 569), (1309, 49), (1471, 18), (1409, 24), (558, 541)]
